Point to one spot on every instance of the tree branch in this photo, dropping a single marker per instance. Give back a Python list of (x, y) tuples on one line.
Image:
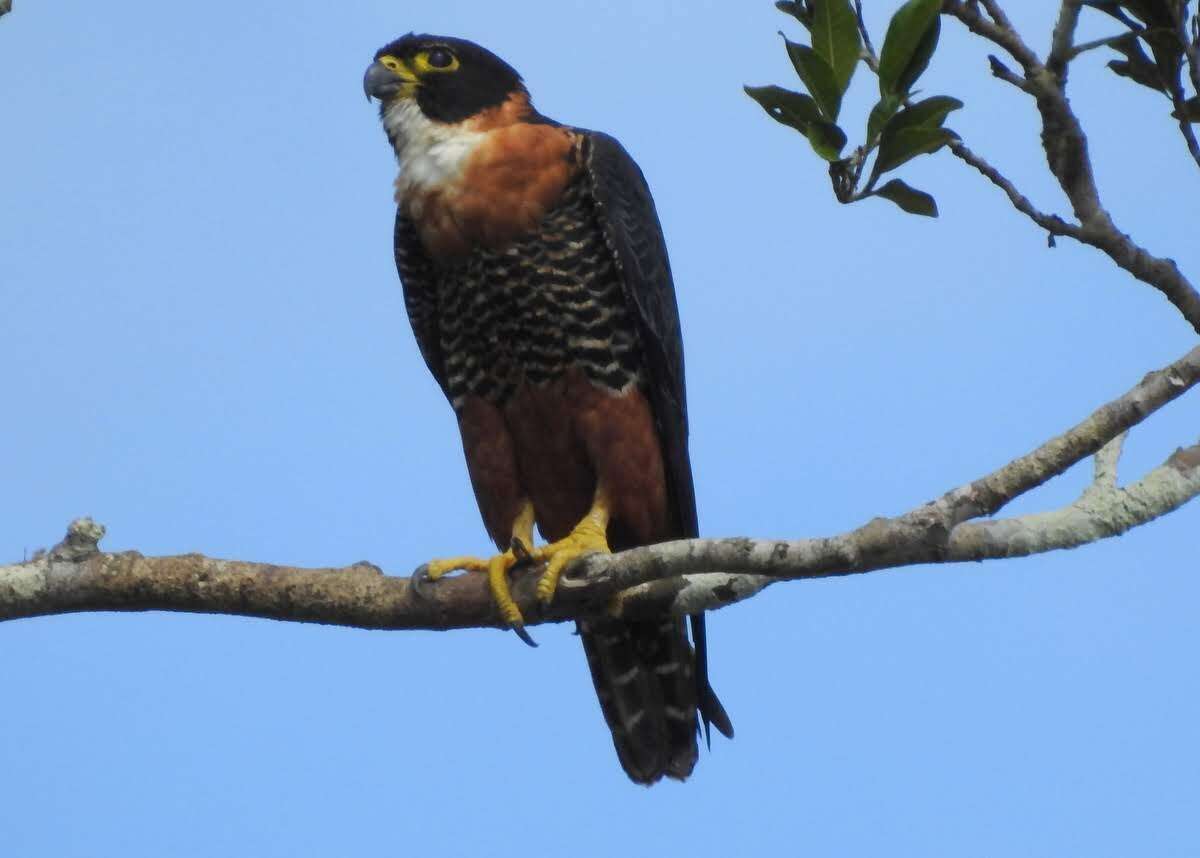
[(868, 49), (1062, 42), (1066, 149), (1191, 49), (1053, 224), (1107, 458), (1185, 125), (1101, 512), (1175, 87), (997, 31), (680, 577), (1004, 73), (1106, 42)]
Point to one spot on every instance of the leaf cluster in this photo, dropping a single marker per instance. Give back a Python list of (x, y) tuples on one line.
[(897, 129), (1154, 48)]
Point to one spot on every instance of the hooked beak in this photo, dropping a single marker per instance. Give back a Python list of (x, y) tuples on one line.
[(381, 82)]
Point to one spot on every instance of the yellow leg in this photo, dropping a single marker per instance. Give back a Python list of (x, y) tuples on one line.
[(588, 537), (496, 567)]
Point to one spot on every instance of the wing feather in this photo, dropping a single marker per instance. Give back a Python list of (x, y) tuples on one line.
[(418, 276), (630, 221)]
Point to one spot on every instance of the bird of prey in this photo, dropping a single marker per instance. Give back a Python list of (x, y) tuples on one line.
[(536, 280)]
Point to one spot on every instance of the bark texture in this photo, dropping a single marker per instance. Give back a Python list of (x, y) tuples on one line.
[(676, 577), (1066, 148)]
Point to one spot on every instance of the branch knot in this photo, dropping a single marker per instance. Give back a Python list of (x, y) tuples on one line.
[(82, 540)]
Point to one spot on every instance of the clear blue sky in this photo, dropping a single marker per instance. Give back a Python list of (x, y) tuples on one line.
[(204, 347)]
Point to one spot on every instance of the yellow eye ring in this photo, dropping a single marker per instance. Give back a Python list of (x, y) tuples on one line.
[(436, 59)]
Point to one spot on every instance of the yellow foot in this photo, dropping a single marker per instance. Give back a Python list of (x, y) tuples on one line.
[(497, 569), (588, 537)]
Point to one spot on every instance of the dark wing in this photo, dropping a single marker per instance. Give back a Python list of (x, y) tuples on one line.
[(626, 211), (631, 227), (419, 279)]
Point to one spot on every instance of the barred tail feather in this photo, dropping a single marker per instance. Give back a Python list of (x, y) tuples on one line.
[(644, 676)]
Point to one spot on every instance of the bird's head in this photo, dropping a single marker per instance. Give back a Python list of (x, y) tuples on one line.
[(448, 80)]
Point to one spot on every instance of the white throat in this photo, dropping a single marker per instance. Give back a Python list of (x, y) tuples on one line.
[(431, 154)]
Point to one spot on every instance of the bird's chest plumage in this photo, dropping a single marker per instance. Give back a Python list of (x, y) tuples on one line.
[(486, 182), (531, 311)]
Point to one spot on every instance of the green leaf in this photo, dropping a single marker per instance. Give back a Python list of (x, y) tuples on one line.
[(817, 76), (908, 198), (797, 110), (800, 11), (1114, 8), (911, 37), (835, 38), (921, 56), (1162, 74), (1143, 73), (826, 139), (1168, 53), (1152, 12), (931, 112), (907, 143), (1110, 7), (793, 109), (883, 110), (913, 131)]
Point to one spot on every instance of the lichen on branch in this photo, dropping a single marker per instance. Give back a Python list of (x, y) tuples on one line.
[(675, 577)]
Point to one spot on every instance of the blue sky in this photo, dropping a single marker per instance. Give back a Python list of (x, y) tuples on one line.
[(204, 347)]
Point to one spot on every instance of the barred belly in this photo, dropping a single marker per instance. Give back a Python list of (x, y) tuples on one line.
[(528, 313)]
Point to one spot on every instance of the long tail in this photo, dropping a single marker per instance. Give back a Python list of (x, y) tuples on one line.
[(645, 676)]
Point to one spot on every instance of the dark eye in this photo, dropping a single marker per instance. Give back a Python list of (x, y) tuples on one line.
[(440, 58)]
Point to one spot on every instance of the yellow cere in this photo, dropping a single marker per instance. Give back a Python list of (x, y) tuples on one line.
[(398, 67)]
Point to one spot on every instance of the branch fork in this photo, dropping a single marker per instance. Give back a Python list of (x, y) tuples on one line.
[(676, 577)]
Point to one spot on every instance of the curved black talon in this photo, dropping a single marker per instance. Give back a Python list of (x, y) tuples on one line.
[(419, 581), (520, 551), (524, 635)]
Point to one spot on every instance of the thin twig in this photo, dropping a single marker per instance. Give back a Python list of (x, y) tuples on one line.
[(1083, 440), (1053, 224), (1099, 514), (1176, 92), (1063, 39), (1191, 49), (1004, 73), (1106, 42), (998, 31), (869, 55), (1104, 467), (1066, 148), (1185, 125)]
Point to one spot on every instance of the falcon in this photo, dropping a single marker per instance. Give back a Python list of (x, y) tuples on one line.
[(537, 284)]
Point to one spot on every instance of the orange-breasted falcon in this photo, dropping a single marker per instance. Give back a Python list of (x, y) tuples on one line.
[(537, 284)]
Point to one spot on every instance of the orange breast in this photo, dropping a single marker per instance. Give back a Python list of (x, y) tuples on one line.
[(507, 185)]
